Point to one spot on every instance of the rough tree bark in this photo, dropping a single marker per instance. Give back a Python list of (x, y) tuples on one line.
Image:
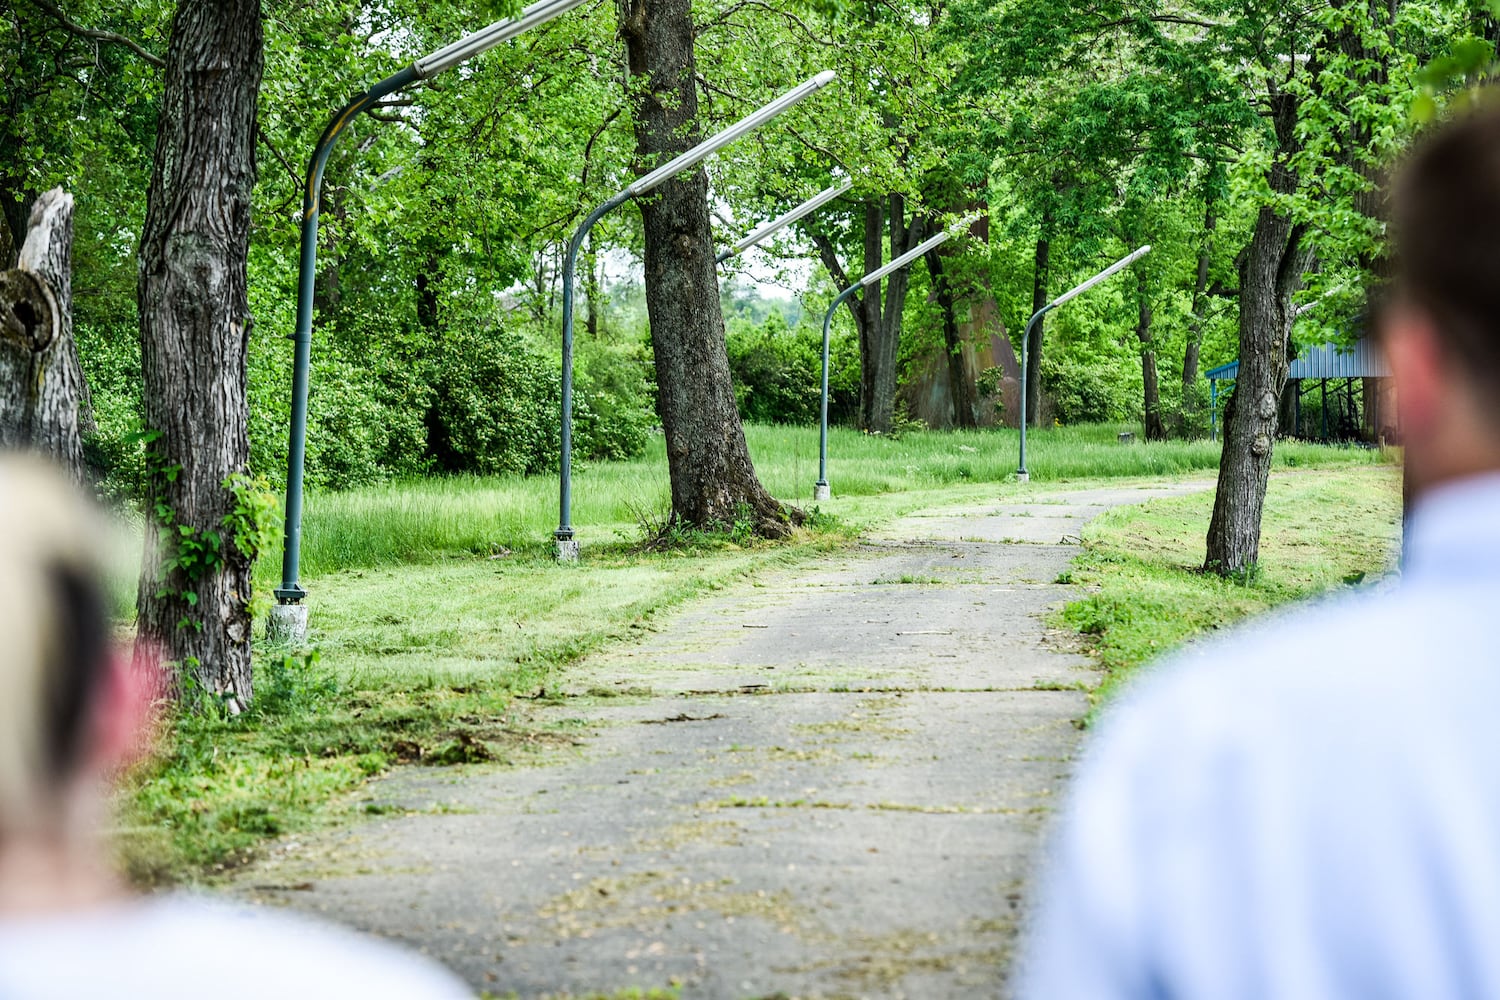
[(959, 386), (1039, 281), (194, 334), (43, 398), (877, 316), (714, 484), (1271, 270), (1156, 429)]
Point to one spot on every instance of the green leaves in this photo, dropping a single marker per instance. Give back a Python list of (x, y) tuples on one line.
[(1467, 64)]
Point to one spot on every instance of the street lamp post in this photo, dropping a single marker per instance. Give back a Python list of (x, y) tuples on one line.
[(821, 490), (779, 223), (1022, 475), (567, 545), (289, 619)]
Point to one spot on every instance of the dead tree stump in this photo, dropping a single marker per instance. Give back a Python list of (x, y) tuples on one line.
[(43, 398)]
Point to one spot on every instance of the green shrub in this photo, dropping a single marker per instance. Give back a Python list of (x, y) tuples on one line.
[(110, 356), (362, 429), (778, 372), (495, 407), (1089, 389), (613, 402)]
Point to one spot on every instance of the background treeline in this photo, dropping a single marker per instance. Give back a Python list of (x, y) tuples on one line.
[(1071, 134)]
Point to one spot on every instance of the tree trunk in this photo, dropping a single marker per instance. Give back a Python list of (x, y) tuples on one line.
[(960, 389), (1039, 280), (880, 364), (872, 336), (14, 210), (43, 398), (591, 292), (714, 485), (1289, 411), (877, 318), (195, 581), (7, 242), (1156, 430), (1271, 271)]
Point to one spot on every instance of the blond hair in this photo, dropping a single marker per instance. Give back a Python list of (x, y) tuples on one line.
[(54, 635)]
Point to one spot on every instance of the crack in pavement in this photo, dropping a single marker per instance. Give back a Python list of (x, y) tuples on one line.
[(867, 831)]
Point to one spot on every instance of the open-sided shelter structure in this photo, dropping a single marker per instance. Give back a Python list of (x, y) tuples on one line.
[(1360, 403)]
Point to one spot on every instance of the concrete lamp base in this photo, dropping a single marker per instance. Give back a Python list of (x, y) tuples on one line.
[(1023, 477), (286, 625), (566, 550), (821, 491)]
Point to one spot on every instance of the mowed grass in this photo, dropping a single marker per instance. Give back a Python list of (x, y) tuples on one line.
[(405, 523), (1322, 531), (435, 663), (439, 618)]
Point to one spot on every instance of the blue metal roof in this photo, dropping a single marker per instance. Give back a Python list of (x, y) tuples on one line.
[(1363, 360)]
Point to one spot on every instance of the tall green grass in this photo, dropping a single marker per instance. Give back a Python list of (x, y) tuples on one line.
[(427, 519)]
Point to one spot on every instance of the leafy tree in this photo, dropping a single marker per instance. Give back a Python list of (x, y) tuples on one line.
[(713, 480), (202, 530)]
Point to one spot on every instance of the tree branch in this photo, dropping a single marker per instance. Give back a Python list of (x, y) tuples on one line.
[(265, 140), (830, 258), (94, 34)]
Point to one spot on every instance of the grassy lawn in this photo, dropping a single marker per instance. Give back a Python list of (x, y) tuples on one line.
[(403, 523), (1322, 530), (438, 618)]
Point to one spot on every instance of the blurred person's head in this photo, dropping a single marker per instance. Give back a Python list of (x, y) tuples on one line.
[(1440, 325), (71, 710)]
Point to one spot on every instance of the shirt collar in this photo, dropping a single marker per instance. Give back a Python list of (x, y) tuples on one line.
[(1454, 530)]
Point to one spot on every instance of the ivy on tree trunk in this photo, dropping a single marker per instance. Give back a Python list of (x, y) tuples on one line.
[(195, 580)]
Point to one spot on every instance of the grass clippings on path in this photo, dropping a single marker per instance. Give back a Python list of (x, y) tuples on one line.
[(1322, 530)]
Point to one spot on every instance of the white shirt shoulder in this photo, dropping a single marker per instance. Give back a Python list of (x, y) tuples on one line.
[(180, 946), (1302, 808)]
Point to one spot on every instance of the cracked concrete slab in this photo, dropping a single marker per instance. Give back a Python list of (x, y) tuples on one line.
[(834, 788)]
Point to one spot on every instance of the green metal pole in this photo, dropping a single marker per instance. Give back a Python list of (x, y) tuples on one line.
[(564, 533), (820, 489), (566, 545), (1021, 473), (291, 590)]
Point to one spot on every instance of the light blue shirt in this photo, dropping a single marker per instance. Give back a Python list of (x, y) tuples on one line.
[(1309, 807)]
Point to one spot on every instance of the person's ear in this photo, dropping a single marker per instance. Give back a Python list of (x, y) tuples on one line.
[(1414, 351), (125, 709)]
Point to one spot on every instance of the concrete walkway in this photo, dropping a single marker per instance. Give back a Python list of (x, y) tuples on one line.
[(825, 784)]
